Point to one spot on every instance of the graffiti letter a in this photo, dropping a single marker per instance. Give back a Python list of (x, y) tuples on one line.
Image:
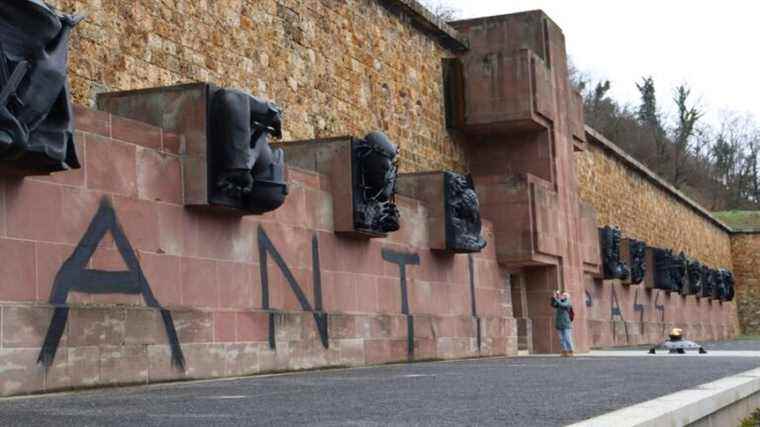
[(73, 276)]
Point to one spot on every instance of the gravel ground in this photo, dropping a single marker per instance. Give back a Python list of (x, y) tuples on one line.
[(527, 391)]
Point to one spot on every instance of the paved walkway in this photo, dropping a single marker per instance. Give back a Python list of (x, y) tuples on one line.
[(525, 391), (735, 348), (743, 345), (664, 353)]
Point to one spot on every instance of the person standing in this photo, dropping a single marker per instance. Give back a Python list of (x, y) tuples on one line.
[(563, 321)]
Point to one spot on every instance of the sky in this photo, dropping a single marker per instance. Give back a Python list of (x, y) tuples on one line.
[(712, 45)]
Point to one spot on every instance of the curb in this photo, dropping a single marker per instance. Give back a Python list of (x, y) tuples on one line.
[(683, 407)]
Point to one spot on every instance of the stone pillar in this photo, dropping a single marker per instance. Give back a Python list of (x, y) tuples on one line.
[(520, 305), (522, 122)]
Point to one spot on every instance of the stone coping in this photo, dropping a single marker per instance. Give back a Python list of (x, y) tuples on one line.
[(747, 231), (498, 18), (596, 137), (683, 407), (425, 21)]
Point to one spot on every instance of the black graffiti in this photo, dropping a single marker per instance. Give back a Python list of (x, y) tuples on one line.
[(471, 264), (640, 308), (615, 311), (661, 309), (266, 248), (589, 299), (403, 259), (74, 276), (615, 305)]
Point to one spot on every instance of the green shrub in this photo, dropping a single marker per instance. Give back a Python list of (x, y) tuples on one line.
[(753, 420)]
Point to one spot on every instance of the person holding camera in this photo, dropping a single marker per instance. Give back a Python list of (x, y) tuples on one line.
[(563, 321)]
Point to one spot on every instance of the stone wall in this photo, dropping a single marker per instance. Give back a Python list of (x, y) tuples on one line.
[(343, 67), (207, 271), (626, 194), (620, 315), (745, 249), (746, 252)]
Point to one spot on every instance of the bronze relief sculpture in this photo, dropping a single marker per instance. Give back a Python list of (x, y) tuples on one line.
[(637, 251), (727, 291), (463, 223), (670, 270), (614, 267), (36, 118), (375, 171), (724, 286), (244, 172), (717, 287), (708, 282), (695, 273)]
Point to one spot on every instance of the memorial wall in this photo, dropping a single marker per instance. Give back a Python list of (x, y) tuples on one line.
[(626, 194), (210, 191), (245, 295)]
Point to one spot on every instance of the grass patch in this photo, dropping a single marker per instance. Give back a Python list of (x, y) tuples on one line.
[(741, 220)]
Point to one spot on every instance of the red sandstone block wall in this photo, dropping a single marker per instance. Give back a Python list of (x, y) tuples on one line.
[(620, 315), (206, 270)]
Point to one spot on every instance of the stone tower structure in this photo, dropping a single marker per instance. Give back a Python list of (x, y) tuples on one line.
[(522, 122)]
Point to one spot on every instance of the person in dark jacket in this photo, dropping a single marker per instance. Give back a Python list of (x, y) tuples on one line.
[(562, 322)]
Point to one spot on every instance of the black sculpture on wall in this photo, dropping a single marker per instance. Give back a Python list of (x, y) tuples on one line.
[(669, 270), (614, 268), (680, 272), (637, 250), (243, 171), (718, 284), (462, 214), (695, 274), (727, 292), (662, 261), (36, 119), (375, 172), (708, 282)]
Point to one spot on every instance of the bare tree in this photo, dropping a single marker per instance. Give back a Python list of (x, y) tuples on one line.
[(735, 159), (442, 10), (579, 80), (718, 167), (598, 102)]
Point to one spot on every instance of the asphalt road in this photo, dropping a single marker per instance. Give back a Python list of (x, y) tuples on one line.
[(527, 391), (736, 345)]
